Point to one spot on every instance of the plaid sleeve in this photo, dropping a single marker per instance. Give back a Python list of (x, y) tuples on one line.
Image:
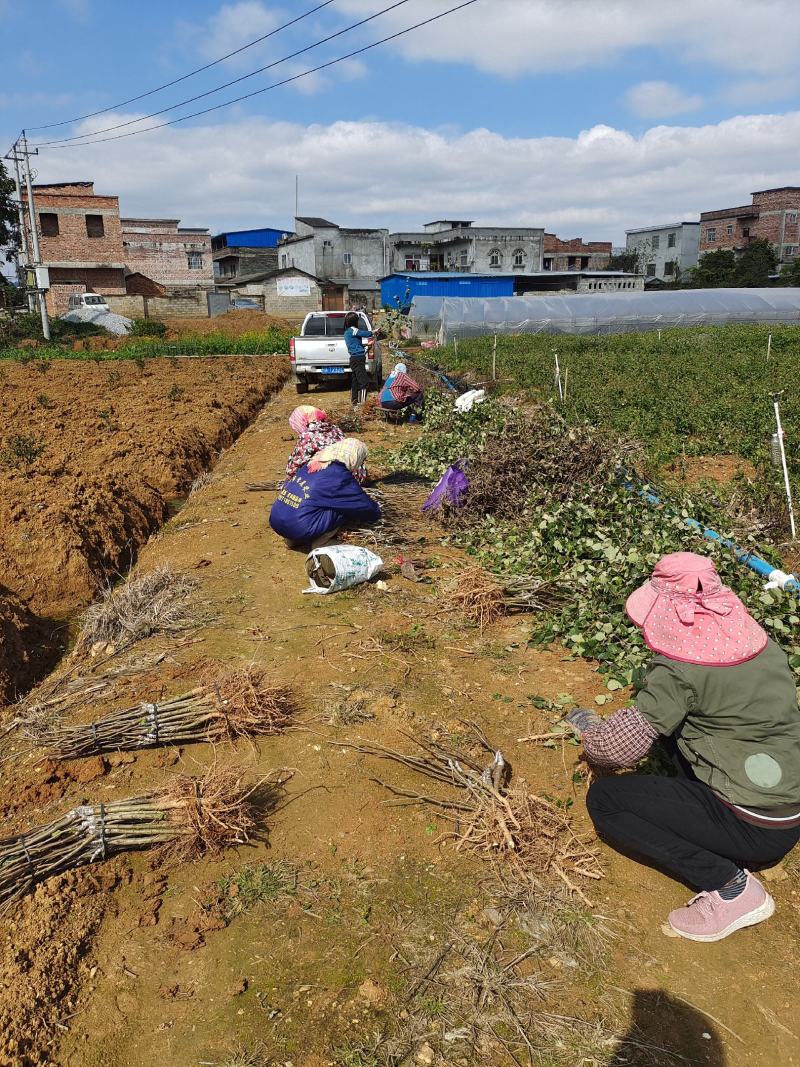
[(621, 740)]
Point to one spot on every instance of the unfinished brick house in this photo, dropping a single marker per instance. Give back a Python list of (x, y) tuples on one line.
[(575, 254), (81, 241), (772, 215), (174, 256)]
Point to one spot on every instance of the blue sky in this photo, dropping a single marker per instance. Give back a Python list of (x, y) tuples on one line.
[(580, 117)]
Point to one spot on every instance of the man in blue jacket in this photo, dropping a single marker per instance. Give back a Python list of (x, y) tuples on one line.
[(313, 505)]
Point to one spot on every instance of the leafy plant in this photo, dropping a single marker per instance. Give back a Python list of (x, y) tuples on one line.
[(21, 450), (44, 401), (147, 328), (175, 393)]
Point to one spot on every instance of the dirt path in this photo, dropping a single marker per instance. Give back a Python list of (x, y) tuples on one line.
[(368, 892)]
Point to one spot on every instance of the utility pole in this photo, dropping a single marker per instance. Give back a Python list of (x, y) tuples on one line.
[(37, 258), (23, 237), (296, 194)]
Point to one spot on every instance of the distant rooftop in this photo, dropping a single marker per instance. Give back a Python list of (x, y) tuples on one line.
[(664, 226), (310, 220)]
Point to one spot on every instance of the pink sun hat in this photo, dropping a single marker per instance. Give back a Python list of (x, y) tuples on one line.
[(686, 613)]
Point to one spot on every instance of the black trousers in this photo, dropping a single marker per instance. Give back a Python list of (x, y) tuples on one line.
[(681, 825), (360, 379)]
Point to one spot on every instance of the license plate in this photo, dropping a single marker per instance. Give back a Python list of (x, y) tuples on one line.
[(334, 370)]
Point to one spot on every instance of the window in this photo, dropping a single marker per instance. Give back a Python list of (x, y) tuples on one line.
[(669, 267), (464, 259), (656, 241), (495, 258), (671, 241), (195, 260), (95, 226), (790, 251), (791, 216), (48, 223), (651, 270), (284, 259), (412, 262), (547, 264), (729, 231), (711, 233), (519, 257), (347, 258)]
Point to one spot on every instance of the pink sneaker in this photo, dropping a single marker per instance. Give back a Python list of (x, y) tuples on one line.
[(707, 917)]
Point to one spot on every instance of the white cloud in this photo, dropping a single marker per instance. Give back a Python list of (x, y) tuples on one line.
[(510, 37), (658, 99), (231, 27), (241, 173)]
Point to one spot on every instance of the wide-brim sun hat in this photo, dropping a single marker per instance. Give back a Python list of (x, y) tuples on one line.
[(686, 613)]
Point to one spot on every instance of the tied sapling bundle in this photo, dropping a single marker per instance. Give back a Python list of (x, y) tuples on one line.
[(484, 597), (191, 817), (228, 705)]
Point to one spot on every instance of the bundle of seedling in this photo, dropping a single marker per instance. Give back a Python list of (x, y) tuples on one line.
[(483, 597), (191, 817), (228, 705), (531, 832)]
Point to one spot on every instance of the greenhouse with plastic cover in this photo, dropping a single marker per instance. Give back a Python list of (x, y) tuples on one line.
[(446, 318)]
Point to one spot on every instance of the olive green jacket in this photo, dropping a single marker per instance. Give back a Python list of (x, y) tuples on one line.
[(739, 726)]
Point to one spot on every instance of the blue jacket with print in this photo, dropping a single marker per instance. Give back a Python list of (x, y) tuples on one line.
[(310, 505)]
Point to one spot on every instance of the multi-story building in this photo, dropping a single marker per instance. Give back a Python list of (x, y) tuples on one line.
[(240, 253), (175, 256), (667, 252), (457, 245), (772, 215), (80, 238), (334, 253), (574, 254)]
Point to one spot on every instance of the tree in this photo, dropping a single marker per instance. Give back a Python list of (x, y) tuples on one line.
[(756, 264), (790, 275), (627, 261), (715, 269), (8, 210)]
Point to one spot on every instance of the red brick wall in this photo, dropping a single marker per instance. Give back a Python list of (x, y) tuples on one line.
[(160, 251), (559, 252), (770, 218), (73, 244), (66, 281)]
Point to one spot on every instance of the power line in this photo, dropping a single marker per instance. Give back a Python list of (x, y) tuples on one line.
[(52, 146), (234, 81), (191, 74)]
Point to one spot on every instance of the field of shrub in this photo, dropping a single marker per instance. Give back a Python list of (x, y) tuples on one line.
[(702, 389)]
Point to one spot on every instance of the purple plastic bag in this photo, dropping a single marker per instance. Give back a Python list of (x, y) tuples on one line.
[(449, 489)]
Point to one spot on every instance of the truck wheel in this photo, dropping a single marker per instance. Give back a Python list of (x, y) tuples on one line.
[(301, 386)]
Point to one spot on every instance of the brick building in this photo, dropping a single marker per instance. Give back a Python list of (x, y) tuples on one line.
[(575, 254), (172, 255), (81, 241), (772, 215)]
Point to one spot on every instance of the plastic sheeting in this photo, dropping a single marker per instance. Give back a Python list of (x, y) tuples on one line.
[(601, 313)]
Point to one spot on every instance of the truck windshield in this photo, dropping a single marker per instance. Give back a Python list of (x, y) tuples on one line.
[(330, 325), (93, 300)]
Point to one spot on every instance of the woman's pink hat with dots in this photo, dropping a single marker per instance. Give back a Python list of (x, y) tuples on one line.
[(686, 613)]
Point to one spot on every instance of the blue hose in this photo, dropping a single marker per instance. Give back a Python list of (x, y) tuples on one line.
[(749, 559)]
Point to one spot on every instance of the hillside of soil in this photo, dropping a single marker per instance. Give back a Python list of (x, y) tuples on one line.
[(91, 455), (353, 917)]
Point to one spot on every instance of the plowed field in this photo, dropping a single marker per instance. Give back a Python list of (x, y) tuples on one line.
[(91, 455)]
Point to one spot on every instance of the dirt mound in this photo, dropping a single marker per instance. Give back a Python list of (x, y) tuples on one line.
[(232, 323), (91, 456), (27, 646), (41, 956)]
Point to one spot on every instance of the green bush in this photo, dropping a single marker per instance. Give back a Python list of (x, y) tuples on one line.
[(147, 328)]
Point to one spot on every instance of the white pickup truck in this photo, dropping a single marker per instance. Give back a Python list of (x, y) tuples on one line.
[(319, 354)]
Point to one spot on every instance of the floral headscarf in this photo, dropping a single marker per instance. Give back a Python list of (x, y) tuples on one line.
[(317, 436), (302, 417), (350, 453)]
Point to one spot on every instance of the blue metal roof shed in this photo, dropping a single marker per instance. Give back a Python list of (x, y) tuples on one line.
[(265, 237), (394, 287)]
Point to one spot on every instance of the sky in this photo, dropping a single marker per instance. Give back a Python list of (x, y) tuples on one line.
[(586, 118)]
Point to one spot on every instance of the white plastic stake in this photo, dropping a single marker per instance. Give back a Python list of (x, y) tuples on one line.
[(659, 336), (558, 378), (769, 346), (494, 360), (787, 485), (455, 346)]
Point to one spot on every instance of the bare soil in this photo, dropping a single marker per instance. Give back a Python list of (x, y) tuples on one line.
[(232, 324), (90, 457), (159, 964)]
